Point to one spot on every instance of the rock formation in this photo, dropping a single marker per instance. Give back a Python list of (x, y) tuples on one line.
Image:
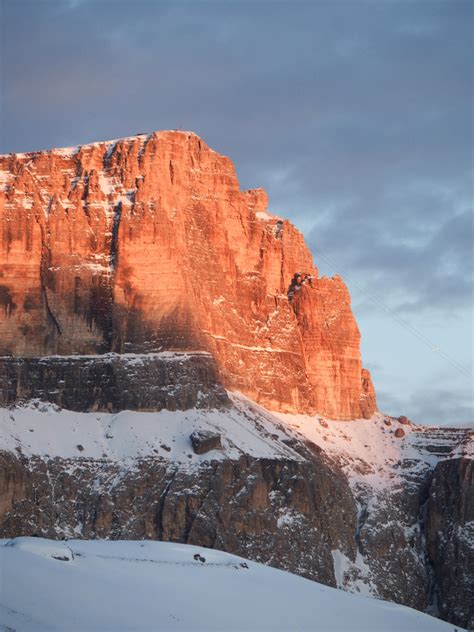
[(392, 519), (112, 382), (137, 283), (450, 538), (147, 244)]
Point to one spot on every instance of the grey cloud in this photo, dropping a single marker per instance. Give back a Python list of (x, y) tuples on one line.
[(431, 406), (431, 270)]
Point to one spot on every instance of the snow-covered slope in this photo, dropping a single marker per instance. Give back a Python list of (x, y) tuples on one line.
[(39, 429), (153, 586), (367, 449)]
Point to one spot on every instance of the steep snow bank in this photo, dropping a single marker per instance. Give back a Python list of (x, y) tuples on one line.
[(145, 586)]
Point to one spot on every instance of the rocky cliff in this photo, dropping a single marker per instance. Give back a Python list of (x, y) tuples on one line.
[(147, 244), (112, 382), (345, 503)]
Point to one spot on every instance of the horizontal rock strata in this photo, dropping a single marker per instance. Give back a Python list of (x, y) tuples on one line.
[(111, 382)]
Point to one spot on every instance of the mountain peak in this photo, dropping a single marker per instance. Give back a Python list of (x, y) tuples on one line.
[(147, 243), (177, 134)]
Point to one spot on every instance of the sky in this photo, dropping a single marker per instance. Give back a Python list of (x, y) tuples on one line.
[(354, 115)]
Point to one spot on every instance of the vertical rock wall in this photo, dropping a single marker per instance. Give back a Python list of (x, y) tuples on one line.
[(147, 244)]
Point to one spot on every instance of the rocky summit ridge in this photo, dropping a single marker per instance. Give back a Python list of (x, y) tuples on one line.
[(147, 244)]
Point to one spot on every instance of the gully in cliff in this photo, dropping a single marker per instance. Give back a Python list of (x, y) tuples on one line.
[(298, 281)]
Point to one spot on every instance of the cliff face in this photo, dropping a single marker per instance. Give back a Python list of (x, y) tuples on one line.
[(344, 503), (147, 244), (136, 281), (111, 382), (450, 538)]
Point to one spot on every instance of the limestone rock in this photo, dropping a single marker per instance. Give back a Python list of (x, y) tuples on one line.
[(229, 505), (148, 244), (450, 538), (205, 441), (112, 382)]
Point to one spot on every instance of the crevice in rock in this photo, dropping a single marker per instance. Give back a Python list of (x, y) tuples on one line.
[(44, 265), (432, 596), (114, 246), (201, 505), (107, 323), (161, 504), (362, 515), (49, 311), (108, 154)]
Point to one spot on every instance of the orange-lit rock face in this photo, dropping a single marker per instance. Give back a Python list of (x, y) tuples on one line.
[(147, 243)]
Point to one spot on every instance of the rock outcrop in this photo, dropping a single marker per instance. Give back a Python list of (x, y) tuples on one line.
[(450, 539), (205, 441), (272, 511), (147, 244), (136, 279), (112, 382)]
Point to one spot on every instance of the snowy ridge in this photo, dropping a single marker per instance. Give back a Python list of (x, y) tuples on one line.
[(127, 585), (71, 151)]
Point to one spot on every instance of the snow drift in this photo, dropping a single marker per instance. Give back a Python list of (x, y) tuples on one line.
[(144, 586)]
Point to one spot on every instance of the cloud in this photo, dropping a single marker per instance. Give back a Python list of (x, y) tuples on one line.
[(445, 408), (411, 264)]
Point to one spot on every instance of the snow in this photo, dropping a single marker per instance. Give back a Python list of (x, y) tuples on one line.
[(91, 266), (136, 357), (289, 518), (353, 576), (368, 450), (5, 177), (264, 215), (105, 183), (161, 586), (247, 347), (43, 430), (66, 151)]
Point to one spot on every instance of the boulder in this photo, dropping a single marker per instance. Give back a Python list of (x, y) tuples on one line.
[(205, 440)]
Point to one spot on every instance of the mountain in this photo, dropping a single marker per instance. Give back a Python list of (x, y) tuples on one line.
[(147, 244), (163, 379), (137, 582)]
